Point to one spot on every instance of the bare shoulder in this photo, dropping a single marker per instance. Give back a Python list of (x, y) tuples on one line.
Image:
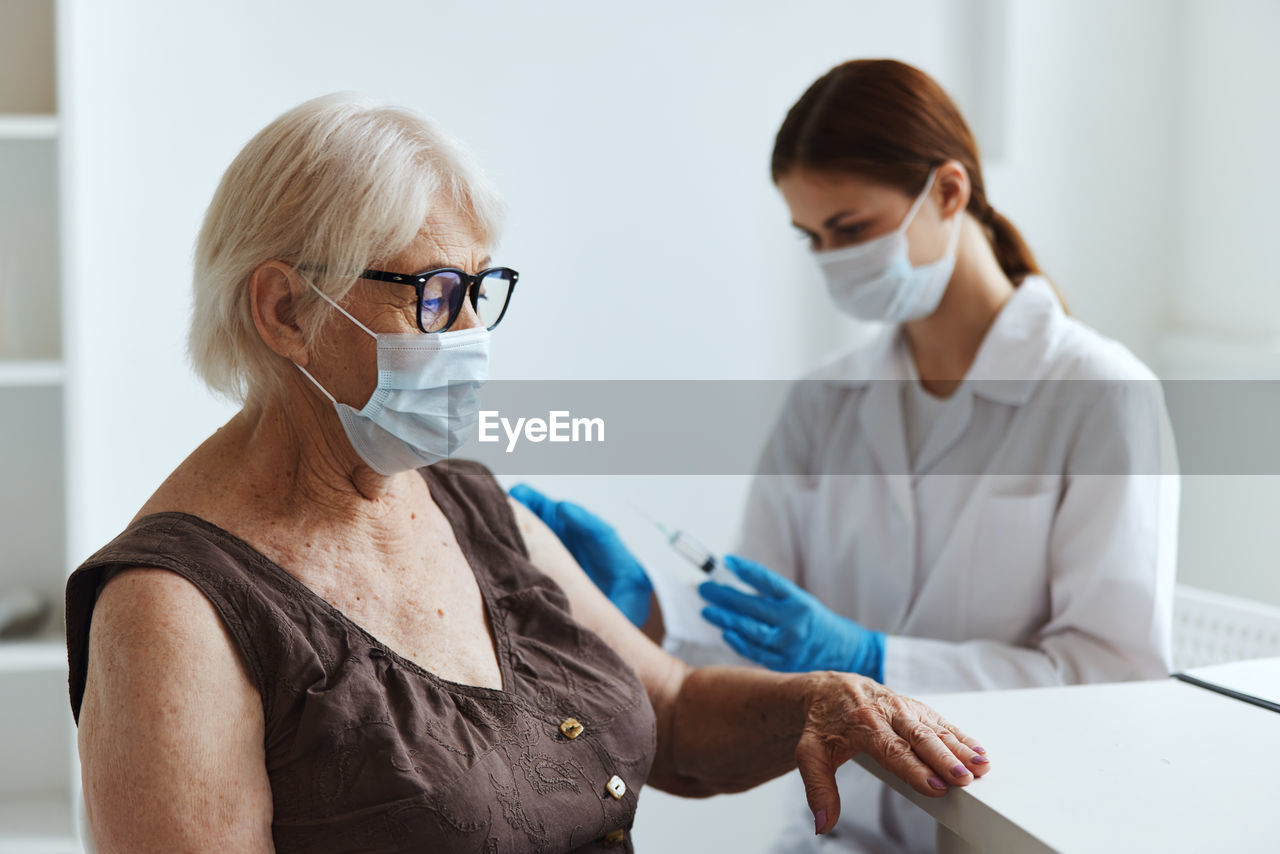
[(153, 626), (153, 600), (549, 555), (171, 727)]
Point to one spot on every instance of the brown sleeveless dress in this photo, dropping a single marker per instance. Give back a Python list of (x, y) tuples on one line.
[(368, 752)]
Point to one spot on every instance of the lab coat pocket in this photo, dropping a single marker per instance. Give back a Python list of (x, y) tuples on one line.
[(1009, 588)]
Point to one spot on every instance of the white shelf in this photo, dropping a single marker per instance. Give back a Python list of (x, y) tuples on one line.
[(32, 656), (37, 740), (30, 372), (28, 127), (37, 827)]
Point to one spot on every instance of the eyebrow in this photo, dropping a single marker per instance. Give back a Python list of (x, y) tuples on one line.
[(830, 222)]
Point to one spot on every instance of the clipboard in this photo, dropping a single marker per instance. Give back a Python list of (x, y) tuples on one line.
[(1256, 681)]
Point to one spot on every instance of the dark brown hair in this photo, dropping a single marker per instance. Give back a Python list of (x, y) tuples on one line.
[(892, 123)]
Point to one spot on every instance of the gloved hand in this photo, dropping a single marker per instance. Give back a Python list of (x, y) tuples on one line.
[(787, 629), (597, 549)]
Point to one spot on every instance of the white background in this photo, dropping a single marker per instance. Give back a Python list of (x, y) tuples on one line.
[(1133, 143)]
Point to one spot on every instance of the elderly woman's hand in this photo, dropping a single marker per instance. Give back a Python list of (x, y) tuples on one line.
[(848, 715)]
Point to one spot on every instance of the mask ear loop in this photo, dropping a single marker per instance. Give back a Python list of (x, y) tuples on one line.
[(915, 206), (369, 331), (323, 390), (326, 298), (955, 236)]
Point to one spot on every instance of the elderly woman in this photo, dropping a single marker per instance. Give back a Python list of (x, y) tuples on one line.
[(313, 639)]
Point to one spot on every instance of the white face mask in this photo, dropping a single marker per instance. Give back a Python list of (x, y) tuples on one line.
[(875, 280), (425, 406)]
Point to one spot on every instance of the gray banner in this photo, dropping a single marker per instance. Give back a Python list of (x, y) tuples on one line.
[(858, 427)]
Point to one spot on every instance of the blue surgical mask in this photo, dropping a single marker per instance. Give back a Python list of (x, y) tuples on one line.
[(426, 403), (875, 281)]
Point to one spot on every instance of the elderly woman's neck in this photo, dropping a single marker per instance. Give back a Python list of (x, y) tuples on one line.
[(300, 455)]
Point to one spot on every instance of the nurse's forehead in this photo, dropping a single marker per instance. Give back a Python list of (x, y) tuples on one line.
[(819, 200), (822, 188)]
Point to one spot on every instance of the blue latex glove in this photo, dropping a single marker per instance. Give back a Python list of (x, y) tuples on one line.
[(787, 629), (597, 549)]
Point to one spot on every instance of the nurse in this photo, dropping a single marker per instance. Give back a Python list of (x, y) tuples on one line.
[(982, 497)]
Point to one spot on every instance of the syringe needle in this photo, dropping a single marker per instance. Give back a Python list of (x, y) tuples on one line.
[(666, 532)]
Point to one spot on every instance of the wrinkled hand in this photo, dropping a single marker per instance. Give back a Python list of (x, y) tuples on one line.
[(848, 715), (787, 629), (598, 550)]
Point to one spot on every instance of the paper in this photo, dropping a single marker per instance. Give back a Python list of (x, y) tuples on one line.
[(1259, 677)]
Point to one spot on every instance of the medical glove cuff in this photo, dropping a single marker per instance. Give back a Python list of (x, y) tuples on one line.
[(868, 658)]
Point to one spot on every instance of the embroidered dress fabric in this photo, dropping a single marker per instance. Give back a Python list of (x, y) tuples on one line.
[(368, 752)]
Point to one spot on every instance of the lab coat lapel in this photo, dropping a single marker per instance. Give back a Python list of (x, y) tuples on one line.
[(1018, 350), (880, 414), (882, 426)]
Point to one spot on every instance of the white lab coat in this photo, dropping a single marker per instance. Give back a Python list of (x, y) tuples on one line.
[(1031, 543)]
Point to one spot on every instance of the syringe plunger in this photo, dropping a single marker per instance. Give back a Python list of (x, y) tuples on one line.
[(693, 551)]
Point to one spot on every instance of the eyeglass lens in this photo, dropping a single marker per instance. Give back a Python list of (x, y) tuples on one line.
[(443, 293)]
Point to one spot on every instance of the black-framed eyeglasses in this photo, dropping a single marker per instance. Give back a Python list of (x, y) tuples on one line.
[(441, 292)]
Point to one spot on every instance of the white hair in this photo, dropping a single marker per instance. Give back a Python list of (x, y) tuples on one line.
[(332, 186)]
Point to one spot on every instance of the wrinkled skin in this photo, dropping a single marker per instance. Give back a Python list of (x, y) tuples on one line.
[(848, 715)]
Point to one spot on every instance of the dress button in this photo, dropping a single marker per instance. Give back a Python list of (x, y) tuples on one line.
[(571, 728), (616, 787), (615, 837)]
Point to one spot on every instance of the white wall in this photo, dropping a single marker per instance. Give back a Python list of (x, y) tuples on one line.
[(1229, 131), (1090, 155), (1225, 309)]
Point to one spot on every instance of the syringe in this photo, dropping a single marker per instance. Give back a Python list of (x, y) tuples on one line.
[(690, 549), (699, 555)]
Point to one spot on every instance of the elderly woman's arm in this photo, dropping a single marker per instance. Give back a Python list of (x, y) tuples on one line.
[(171, 728), (726, 729)]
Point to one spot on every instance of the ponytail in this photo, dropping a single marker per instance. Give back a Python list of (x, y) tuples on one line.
[(1011, 251)]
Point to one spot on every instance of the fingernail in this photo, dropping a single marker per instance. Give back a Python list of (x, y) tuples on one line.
[(979, 760), (981, 750), (959, 771), (937, 783), (819, 821)]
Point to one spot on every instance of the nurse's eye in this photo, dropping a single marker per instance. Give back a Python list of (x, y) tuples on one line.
[(809, 237), (852, 233)]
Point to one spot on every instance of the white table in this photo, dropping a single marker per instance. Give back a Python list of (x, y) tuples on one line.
[(1131, 767)]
